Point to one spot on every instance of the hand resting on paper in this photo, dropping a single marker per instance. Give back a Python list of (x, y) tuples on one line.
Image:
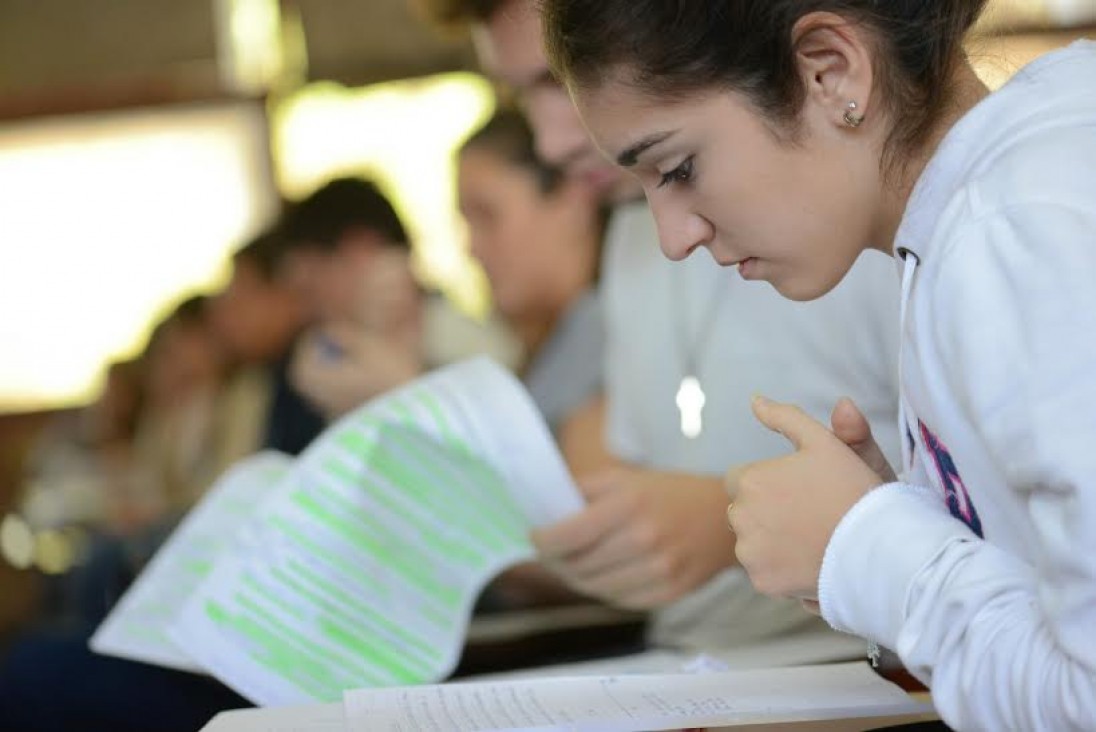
[(646, 538)]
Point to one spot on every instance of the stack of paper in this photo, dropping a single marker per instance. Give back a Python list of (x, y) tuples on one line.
[(358, 563)]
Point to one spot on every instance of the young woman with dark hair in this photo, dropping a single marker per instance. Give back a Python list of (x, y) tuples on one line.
[(788, 137), (537, 235)]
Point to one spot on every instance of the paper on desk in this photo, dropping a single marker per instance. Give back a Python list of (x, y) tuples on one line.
[(626, 703), (308, 718), (136, 627), (364, 572)]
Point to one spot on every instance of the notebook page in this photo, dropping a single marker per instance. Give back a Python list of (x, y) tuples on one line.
[(136, 626), (626, 703), (364, 572), (310, 718)]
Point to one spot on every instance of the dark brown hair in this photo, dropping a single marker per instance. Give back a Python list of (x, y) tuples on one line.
[(265, 253), (669, 48), (321, 219), (507, 135)]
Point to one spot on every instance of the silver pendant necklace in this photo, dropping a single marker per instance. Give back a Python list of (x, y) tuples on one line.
[(690, 397), (690, 404)]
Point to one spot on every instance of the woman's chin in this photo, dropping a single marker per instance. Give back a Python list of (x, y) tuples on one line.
[(799, 289)]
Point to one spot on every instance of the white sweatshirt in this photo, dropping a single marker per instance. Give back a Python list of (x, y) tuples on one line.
[(998, 381)]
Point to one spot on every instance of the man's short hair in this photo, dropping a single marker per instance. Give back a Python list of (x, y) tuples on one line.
[(454, 14), (344, 205), (265, 253)]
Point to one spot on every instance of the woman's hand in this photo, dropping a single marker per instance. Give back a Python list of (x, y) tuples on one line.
[(785, 510), (852, 428)]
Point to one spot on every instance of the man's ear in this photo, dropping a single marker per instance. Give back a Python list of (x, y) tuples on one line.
[(834, 59)]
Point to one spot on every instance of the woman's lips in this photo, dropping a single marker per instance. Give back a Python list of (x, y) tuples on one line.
[(746, 268)]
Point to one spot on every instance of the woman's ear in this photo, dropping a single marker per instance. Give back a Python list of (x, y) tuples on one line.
[(834, 58)]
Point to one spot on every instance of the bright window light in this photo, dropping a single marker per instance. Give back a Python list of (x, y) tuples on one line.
[(403, 135), (107, 220), (998, 56), (1071, 12)]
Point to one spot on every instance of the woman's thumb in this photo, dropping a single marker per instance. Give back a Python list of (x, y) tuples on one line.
[(849, 425)]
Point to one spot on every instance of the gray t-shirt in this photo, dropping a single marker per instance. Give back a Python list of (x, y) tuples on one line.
[(567, 371)]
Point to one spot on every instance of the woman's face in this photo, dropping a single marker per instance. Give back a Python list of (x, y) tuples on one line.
[(794, 213), (528, 242)]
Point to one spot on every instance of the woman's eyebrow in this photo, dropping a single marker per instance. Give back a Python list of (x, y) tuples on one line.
[(630, 156)]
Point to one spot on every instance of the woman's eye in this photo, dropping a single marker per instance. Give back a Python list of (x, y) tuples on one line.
[(681, 174)]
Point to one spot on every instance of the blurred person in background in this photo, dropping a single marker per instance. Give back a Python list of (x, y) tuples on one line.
[(259, 318), (255, 321), (176, 442), (145, 446), (49, 679), (175, 454), (537, 236), (80, 452), (373, 325)]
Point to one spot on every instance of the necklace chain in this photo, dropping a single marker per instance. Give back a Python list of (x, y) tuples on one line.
[(690, 397), (693, 343)]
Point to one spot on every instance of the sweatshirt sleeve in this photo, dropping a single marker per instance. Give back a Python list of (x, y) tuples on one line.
[(1003, 641)]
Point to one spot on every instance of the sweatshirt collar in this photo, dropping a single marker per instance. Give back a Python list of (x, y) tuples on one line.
[(965, 145)]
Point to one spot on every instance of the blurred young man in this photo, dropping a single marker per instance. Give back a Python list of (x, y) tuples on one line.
[(372, 326), (677, 387), (258, 317)]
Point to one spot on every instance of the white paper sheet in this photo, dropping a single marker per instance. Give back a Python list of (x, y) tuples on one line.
[(363, 570), (136, 627), (309, 718), (626, 703)]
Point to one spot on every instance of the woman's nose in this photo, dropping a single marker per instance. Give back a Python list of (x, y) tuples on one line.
[(680, 231)]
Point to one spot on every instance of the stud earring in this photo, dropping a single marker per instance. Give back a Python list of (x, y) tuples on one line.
[(851, 119)]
